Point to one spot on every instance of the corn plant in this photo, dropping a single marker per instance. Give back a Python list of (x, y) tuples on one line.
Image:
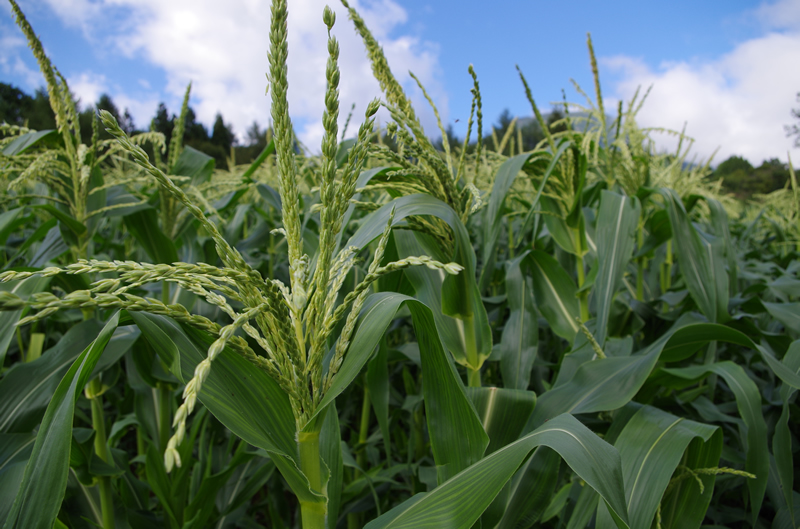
[(509, 309)]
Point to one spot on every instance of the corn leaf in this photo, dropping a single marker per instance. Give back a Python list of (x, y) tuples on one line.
[(244, 398), (782, 440), (616, 229), (651, 447), (457, 436), (700, 261), (748, 401), (44, 482), (556, 293), (530, 490), (519, 342), (459, 502), (9, 319), (460, 297), (28, 388), (143, 225)]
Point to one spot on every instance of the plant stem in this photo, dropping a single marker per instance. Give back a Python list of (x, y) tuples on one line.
[(583, 296), (711, 357), (473, 368), (640, 262), (101, 449), (164, 403), (354, 518), (363, 431), (312, 513)]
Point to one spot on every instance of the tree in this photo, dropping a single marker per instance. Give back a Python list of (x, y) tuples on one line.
[(162, 122), (222, 134), (256, 136), (743, 180), (15, 105)]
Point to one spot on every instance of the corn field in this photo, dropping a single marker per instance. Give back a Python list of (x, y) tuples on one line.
[(390, 334)]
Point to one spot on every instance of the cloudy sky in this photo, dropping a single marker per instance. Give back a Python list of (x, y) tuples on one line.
[(727, 69)]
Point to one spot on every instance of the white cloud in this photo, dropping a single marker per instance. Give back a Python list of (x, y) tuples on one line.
[(13, 45), (88, 87), (738, 102), (221, 47)]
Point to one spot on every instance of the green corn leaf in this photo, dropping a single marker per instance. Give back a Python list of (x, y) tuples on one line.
[(8, 223), (459, 502), (584, 509), (719, 222), (429, 288), (519, 343), (616, 229), (748, 401), (530, 490), (460, 297), (195, 164), (44, 482), (244, 398), (585, 391), (28, 388), (143, 225), (559, 230), (786, 313), (457, 437), (25, 141), (38, 234), (503, 413), (378, 384), (782, 440), (269, 149), (556, 293), (65, 218), (15, 449), (683, 505), (493, 220), (52, 247), (651, 447), (700, 261), (9, 319)]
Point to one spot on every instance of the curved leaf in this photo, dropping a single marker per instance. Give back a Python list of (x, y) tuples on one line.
[(44, 482), (244, 398), (748, 401), (9, 319), (616, 228), (457, 437), (519, 343), (651, 447), (503, 180), (700, 261), (586, 391), (460, 297), (27, 388), (556, 294), (459, 502)]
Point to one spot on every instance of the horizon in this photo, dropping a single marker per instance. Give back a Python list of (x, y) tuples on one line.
[(718, 68)]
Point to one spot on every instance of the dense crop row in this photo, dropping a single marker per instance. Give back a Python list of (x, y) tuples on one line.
[(389, 334)]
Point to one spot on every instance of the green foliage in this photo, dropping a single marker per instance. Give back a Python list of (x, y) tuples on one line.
[(394, 333), (743, 180)]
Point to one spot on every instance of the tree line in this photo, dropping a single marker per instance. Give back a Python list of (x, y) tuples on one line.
[(33, 111), (739, 176)]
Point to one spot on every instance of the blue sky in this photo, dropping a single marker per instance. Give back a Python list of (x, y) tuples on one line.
[(726, 68)]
